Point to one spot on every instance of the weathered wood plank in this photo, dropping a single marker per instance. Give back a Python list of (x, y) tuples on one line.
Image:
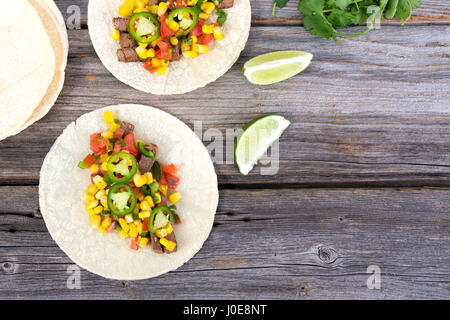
[(273, 244), (370, 109), (431, 11)]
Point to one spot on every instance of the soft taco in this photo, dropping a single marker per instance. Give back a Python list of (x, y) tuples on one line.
[(168, 47), (32, 68), (128, 192)]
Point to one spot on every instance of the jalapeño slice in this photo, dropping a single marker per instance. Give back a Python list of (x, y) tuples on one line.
[(119, 163), (133, 27), (121, 199), (145, 152), (179, 15), (151, 221)]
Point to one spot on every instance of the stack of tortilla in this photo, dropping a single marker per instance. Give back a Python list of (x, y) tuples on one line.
[(33, 57)]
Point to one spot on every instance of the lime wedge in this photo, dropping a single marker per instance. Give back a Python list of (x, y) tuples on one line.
[(256, 138), (276, 66)]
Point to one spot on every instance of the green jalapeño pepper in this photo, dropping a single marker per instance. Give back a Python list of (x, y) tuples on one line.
[(121, 199), (145, 152), (144, 27), (119, 163), (158, 218), (186, 24)]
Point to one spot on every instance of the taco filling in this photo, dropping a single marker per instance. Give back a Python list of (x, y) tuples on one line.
[(156, 32), (131, 192)]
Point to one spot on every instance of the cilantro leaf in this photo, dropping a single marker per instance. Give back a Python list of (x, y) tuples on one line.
[(309, 7), (221, 17), (281, 3), (319, 26)]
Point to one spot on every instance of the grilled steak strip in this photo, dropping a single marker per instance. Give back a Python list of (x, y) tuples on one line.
[(226, 4), (127, 55), (121, 24), (127, 41), (156, 246), (127, 127), (171, 237)]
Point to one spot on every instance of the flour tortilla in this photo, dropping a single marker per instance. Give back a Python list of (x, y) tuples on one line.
[(27, 64), (63, 184), (56, 30), (185, 75)]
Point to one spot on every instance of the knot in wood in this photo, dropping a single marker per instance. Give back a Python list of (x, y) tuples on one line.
[(8, 267), (327, 254)]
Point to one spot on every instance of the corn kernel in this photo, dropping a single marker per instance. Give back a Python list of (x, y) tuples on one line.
[(143, 45), (208, 28), (174, 41), (139, 226), (148, 177), (136, 210), (150, 201), (162, 8), (156, 62), (91, 205), (185, 47), (142, 53), (98, 209), (203, 16), (161, 233), (173, 25), (164, 63), (91, 212), (151, 53), (92, 189), (123, 234), (127, 8), (133, 231), (94, 168), (129, 218), (89, 197), (169, 245), (200, 48), (106, 222), (145, 206), (190, 54), (175, 197), (192, 2), (163, 189), (141, 3), (162, 70), (218, 33), (107, 135), (95, 221), (100, 182), (124, 225), (104, 201), (144, 214), (143, 242), (100, 194), (194, 39), (115, 34), (113, 127), (208, 7), (102, 230), (154, 9), (155, 43), (158, 197)]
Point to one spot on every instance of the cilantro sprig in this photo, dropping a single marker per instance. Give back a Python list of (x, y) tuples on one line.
[(322, 17)]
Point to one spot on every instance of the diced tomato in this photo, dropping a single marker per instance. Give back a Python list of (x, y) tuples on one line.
[(138, 192), (89, 160), (111, 227), (130, 145), (145, 225), (117, 147), (180, 3), (99, 144), (166, 32), (171, 169), (205, 39), (119, 133), (162, 181), (148, 65), (135, 243), (172, 181), (163, 203), (163, 51), (197, 31)]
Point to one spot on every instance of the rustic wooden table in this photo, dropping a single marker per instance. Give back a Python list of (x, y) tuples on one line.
[(364, 173)]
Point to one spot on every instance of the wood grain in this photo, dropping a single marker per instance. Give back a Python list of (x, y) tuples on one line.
[(283, 244), (373, 109), (430, 11)]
